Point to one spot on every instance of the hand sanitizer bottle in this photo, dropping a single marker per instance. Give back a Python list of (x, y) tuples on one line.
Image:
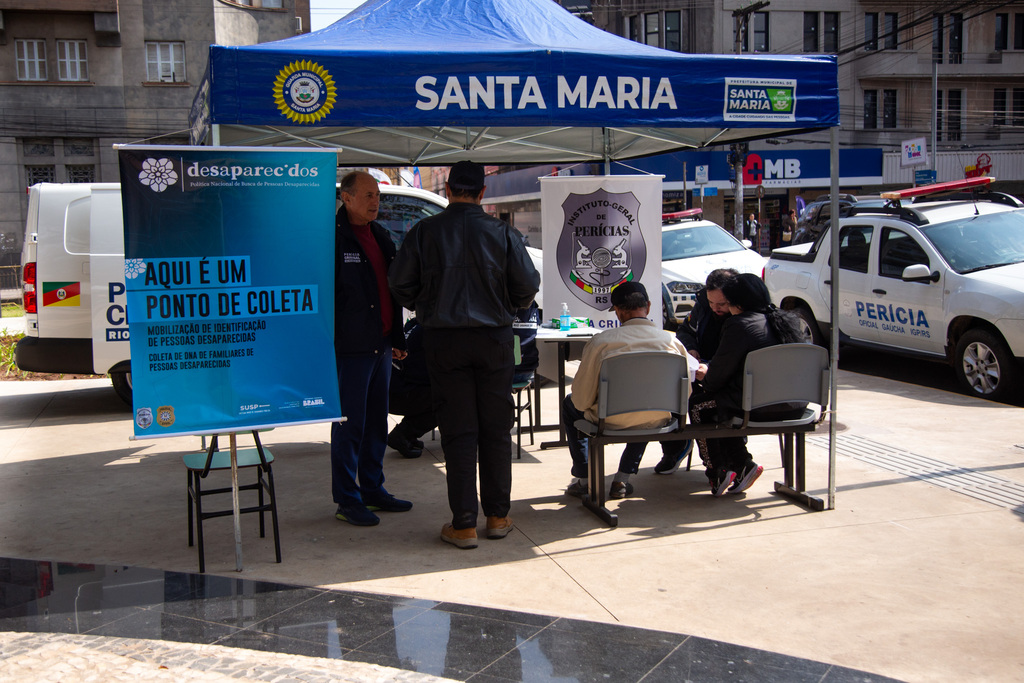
[(563, 322)]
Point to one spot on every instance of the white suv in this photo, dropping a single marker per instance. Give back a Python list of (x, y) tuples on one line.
[(936, 278)]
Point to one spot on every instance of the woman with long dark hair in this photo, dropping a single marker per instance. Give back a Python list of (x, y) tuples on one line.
[(754, 323)]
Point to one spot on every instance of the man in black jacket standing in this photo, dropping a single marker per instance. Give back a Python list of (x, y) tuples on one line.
[(367, 335), (466, 273)]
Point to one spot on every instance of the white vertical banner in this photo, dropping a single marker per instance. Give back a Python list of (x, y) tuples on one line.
[(599, 231)]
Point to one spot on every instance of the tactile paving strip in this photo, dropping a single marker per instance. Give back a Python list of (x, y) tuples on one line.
[(979, 485)]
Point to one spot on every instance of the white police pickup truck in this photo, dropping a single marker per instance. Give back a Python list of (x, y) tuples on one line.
[(938, 273)]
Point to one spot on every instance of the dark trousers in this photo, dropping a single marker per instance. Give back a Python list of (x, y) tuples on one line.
[(415, 405), (730, 454), (471, 383), (725, 454), (629, 461), (358, 443)]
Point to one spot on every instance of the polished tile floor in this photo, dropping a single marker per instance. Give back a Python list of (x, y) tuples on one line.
[(439, 638)]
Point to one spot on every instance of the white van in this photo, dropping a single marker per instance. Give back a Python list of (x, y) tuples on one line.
[(73, 272)]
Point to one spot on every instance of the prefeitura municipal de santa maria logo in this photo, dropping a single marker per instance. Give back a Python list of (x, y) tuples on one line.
[(601, 245), (304, 92)]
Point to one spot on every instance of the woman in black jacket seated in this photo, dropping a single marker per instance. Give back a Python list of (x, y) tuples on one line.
[(754, 324)]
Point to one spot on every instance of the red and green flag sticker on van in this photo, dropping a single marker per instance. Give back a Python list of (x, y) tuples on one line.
[(62, 294)]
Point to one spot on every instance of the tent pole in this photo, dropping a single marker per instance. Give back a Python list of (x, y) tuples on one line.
[(833, 313), (215, 134), (607, 146)]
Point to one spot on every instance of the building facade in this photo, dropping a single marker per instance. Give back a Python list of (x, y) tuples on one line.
[(80, 76)]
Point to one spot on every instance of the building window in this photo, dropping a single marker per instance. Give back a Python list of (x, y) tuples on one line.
[(81, 173), (761, 32), (888, 109), (79, 147), (30, 56), (811, 31), (956, 38), (999, 107), (871, 31), (1002, 31), (272, 4), (673, 32), (870, 109), (756, 25), (71, 61), (892, 29), (1018, 31), (830, 35), (955, 26), (165, 62), (1018, 106), (651, 33), (40, 174), (659, 29), (633, 28)]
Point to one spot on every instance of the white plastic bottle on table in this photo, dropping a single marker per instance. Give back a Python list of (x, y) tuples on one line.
[(564, 322)]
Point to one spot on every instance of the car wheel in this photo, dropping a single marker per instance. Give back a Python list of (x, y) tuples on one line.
[(666, 321), (985, 366), (808, 325), (122, 382)]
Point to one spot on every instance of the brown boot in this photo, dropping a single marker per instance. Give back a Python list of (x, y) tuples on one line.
[(460, 538), (498, 527)]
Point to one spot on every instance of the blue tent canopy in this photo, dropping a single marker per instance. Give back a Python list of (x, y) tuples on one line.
[(499, 81)]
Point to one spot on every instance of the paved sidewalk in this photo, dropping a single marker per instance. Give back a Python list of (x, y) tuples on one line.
[(915, 575), (32, 657)]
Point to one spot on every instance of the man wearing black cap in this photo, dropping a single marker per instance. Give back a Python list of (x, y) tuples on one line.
[(465, 273), (635, 334)]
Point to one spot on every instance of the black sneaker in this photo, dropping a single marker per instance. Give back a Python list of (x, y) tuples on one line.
[(722, 483), (578, 489), (385, 502), (401, 444), (669, 464), (751, 471), (357, 514), (620, 489)]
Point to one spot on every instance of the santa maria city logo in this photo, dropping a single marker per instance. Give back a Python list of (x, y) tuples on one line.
[(760, 99), (304, 92), (158, 174), (600, 246)]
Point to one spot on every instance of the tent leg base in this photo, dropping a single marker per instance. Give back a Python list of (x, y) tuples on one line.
[(810, 502)]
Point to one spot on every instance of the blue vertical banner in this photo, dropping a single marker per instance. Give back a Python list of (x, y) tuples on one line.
[(229, 272)]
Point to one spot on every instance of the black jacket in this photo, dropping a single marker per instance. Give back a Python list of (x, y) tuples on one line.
[(357, 323), (463, 268), (701, 329), (741, 334)]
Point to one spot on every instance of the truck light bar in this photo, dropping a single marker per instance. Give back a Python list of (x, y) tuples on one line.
[(935, 188), (680, 215)]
